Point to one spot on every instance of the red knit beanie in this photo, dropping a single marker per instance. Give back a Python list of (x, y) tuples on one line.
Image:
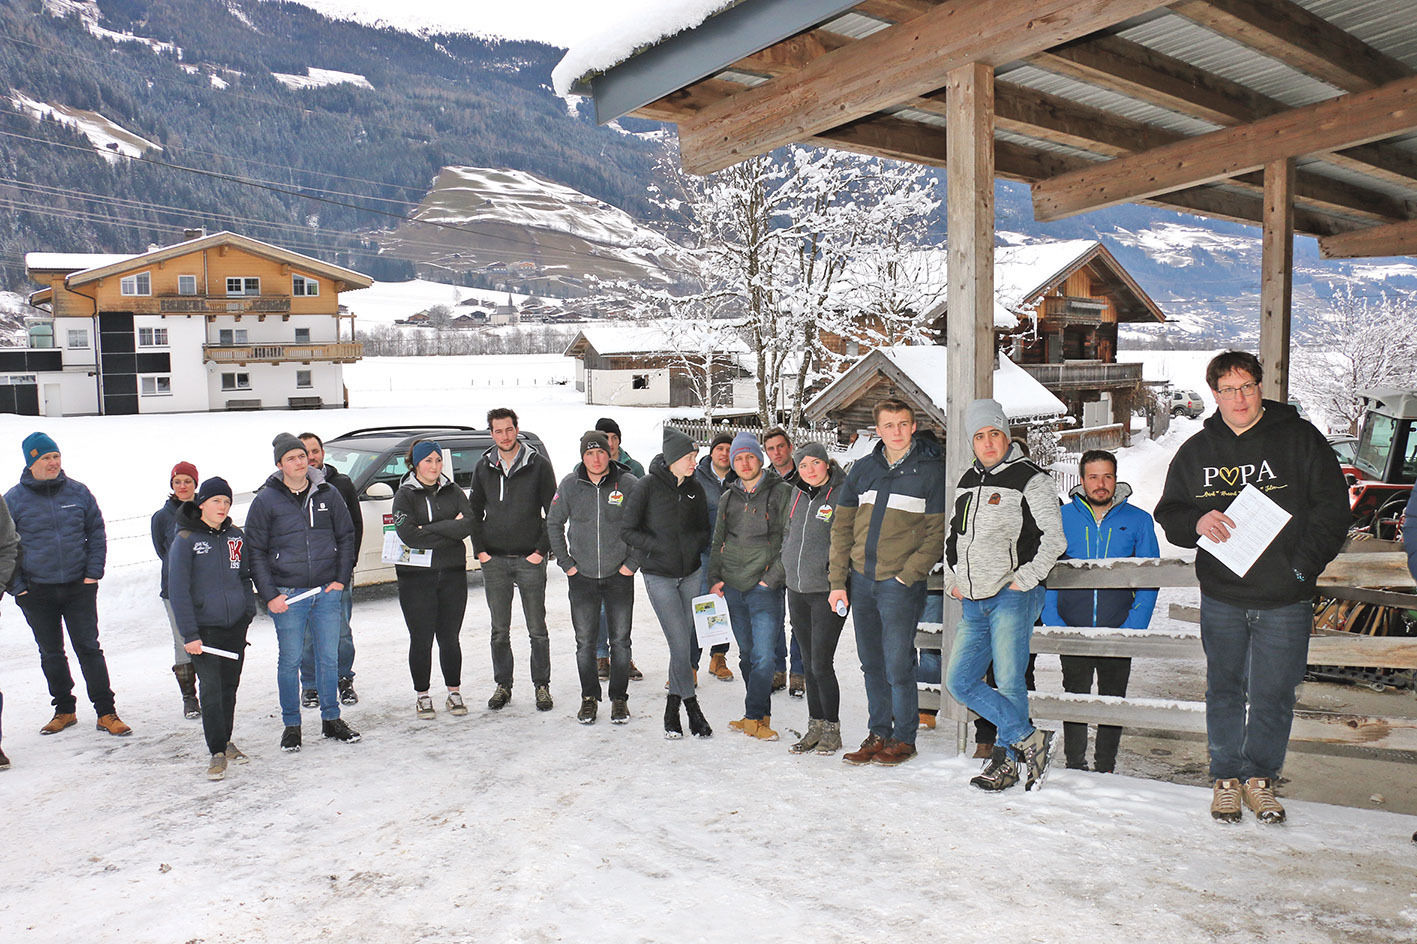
[(183, 468)]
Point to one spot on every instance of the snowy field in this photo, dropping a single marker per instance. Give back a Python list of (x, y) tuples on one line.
[(522, 826)]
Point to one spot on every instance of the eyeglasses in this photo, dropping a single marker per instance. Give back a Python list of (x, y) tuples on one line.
[(1244, 390)]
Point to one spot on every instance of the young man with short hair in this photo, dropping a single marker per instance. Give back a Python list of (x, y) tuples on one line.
[(888, 532), (1099, 523), (1254, 627), (512, 488), (777, 446), (619, 456), (315, 453)]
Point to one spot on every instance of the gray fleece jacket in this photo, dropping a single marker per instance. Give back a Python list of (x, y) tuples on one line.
[(585, 521), (806, 548)]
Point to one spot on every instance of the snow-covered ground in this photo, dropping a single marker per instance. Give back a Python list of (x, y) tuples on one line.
[(319, 78), (524, 826), (108, 138)]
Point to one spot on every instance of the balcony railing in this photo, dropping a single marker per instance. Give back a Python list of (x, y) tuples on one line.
[(1073, 310), (344, 352), (1084, 374), (210, 305)]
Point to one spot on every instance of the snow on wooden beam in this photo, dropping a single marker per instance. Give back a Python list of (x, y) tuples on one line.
[(1346, 121)]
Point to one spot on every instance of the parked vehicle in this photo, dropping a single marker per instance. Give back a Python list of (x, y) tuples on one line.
[(1186, 403), (1346, 448), (1386, 460), (374, 459)]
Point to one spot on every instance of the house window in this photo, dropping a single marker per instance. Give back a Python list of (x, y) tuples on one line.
[(78, 339), (300, 285), (243, 286), (853, 348), (16, 379), (152, 337), (302, 335), (229, 337), (639, 382), (235, 381), (156, 386), (302, 379), (140, 284), (186, 285)]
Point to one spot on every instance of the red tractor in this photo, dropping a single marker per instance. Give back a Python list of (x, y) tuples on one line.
[(1382, 472)]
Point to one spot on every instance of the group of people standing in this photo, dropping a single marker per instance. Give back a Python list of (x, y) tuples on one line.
[(783, 536)]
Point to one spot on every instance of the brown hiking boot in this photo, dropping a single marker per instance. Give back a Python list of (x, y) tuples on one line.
[(718, 668), (741, 724), (1258, 793), (779, 681), (760, 728), (113, 725), (983, 751), (602, 668), (894, 753), (869, 748), (927, 720), (635, 674), (1225, 800), (59, 722)]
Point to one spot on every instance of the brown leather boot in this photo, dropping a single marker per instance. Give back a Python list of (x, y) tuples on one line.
[(113, 725), (59, 722), (187, 682), (869, 748), (718, 668)]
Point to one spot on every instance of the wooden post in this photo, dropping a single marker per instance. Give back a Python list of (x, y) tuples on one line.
[(969, 332), (1276, 277)]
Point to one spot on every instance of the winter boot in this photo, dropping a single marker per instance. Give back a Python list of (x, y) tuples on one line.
[(797, 685), (830, 740), (1035, 752), (1258, 794), (499, 698), (718, 668), (187, 682), (1225, 800), (602, 668), (347, 694), (673, 731), (809, 740), (543, 698), (760, 728), (779, 681), (217, 769), (869, 748), (309, 698), (589, 706), (698, 724), (619, 711), (337, 730), (999, 773)]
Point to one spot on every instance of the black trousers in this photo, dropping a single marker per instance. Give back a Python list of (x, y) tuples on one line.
[(614, 594), (817, 628), (433, 603), (218, 678), (1112, 673), (52, 608)]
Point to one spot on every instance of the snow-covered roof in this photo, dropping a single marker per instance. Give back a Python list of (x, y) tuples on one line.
[(1020, 271), (637, 26), (72, 261), (644, 339)]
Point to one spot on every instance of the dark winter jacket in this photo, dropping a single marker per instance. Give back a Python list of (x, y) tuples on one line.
[(666, 523), (62, 537), (9, 545), (1124, 531), (1006, 528), (746, 549), (509, 510), (1285, 457), (586, 521), (631, 464), (426, 517), (211, 574), (163, 527), (713, 488), (1409, 532), (806, 548), (890, 522), (299, 541), (345, 486)]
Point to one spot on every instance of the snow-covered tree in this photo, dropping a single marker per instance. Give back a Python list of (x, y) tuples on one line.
[(1355, 344)]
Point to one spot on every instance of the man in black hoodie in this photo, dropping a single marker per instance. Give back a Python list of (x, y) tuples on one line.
[(1254, 627), (512, 488)]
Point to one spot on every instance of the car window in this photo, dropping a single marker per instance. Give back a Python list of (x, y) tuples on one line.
[(464, 461), (352, 462)]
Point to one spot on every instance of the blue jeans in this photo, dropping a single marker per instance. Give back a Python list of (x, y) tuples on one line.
[(756, 617), (346, 647), (996, 628), (931, 668), (318, 617), (1254, 659), (885, 614)]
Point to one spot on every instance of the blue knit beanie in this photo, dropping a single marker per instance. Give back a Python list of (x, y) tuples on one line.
[(423, 449), (38, 444), (211, 488), (745, 442)]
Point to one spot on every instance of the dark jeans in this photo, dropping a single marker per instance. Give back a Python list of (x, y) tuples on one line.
[(615, 596), (1112, 673), (345, 657), (500, 575), (218, 678), (433, 603), (885, 614), (1254, 662), (720, 648), (816, 628), (75, 605), (756, 616)]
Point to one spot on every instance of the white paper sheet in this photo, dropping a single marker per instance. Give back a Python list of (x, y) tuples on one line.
[(1258, 521), (711, 620), (397, 552), (304, 594), (214, 651)]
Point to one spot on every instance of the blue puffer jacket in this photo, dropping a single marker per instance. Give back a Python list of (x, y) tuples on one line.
[(62, 538), (210, 574), (299, 541), (1125, 531)]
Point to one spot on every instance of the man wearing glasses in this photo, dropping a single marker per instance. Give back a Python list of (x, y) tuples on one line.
[(1254, 628)]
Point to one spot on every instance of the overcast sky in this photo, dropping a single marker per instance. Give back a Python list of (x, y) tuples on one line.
[(558, 22)]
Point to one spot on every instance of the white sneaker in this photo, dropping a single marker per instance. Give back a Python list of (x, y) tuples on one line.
[(455, 704), (425, 708)]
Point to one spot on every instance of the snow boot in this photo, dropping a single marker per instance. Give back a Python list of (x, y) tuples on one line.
[(830, 740), (809, 740), (337, 730), (1035, 753), (1000, 772), (673, 731), (698, 724), (589, 706), (543, 698), (187, 682), (309, 698)]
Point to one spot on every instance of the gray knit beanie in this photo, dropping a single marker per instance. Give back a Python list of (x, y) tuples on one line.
[(814, 449), (283, 443), (676, 445), (982, 414)]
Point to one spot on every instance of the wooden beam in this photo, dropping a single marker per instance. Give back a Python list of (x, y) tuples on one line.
[(901, 62), (1397, 239), (1285, 31), (1357, 118), (1276, 277)]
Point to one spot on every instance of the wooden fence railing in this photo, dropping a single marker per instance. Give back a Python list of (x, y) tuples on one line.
[(702, 432), (1349, 570)]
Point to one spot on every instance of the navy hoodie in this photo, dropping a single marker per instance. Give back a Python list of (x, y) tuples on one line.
[(209, 574)]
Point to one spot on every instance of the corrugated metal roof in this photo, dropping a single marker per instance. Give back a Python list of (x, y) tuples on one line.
[(1389, 26), (1108, 101)]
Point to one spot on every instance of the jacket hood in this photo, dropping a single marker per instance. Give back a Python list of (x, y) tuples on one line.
[(314, 475), (410, 481), (1275, 414), (920, 445), (835, 476), (524, 457), (658, 467)]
